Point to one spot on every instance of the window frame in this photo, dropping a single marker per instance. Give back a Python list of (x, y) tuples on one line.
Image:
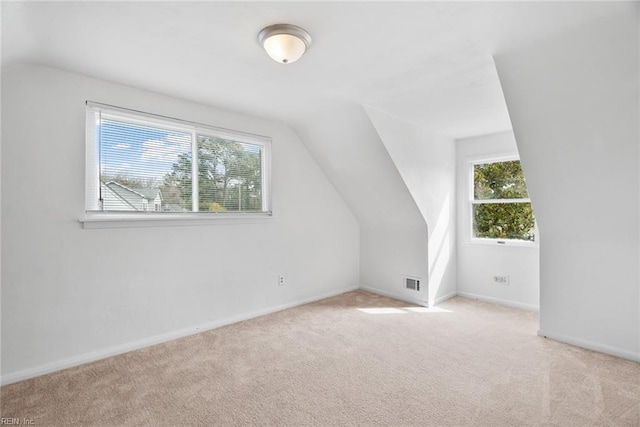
[(94, 217), (472, 201)]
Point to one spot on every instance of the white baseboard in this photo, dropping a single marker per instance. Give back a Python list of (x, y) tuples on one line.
[(444, 298), (601, 348), (499, 301), (146, 342), (395, 296)]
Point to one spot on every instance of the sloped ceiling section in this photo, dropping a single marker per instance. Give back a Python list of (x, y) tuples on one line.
[(573, 102), (393, 233), (342, 138), (426, 162), (427, 62)]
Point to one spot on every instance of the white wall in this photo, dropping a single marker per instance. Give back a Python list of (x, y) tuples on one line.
[(573, 102), (427, 162), (393, 233), (478, 263), (71, 294)]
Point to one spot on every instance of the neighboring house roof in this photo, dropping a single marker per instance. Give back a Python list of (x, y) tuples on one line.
[(149, 193), (132, 196)]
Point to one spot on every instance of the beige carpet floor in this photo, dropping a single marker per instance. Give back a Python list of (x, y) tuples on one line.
[(355, 359)]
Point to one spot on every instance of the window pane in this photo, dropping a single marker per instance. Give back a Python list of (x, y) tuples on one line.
[(229, 175), (148, 163), (503, 221), (500, 180), (140, 167)]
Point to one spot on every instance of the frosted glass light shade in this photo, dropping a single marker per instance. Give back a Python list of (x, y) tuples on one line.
[(284, 48), (284, 43)]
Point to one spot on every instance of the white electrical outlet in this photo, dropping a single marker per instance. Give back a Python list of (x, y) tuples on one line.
[(503, 280), (280, 280)]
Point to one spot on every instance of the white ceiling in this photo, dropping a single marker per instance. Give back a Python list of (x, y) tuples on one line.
[(427, 62)]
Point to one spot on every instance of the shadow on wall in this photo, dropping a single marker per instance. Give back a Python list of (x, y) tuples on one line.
[(439, 250)]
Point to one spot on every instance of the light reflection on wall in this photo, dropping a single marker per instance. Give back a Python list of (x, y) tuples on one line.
[(439, 249)]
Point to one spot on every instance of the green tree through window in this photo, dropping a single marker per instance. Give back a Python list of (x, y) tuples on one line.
[(501, 207), (229, 177)]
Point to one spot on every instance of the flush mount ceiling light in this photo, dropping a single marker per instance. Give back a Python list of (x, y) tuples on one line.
[(284, 43)]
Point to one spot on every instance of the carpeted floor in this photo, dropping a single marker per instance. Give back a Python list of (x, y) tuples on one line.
[(355, 359)]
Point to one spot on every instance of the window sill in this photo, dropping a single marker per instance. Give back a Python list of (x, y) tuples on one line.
[(504, 242), (124, 220)]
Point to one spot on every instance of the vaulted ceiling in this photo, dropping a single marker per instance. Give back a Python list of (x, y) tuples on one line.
[(427, 62)]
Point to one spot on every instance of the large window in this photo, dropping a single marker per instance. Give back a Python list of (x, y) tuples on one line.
[(500, 204), (138, 162)]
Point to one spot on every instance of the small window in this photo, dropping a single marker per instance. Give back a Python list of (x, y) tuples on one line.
[(137, 160), (500, 204)]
